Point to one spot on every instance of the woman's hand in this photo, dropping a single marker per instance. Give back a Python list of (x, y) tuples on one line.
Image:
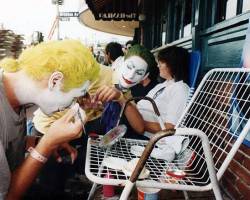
[(106, 93), (64, 129), (88, 102)]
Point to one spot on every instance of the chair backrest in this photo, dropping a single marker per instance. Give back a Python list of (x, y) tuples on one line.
[(210, 110), (194, 66)]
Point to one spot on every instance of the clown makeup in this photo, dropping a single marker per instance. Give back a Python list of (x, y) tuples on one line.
[(132, 71), (48, 95), (55, 100)]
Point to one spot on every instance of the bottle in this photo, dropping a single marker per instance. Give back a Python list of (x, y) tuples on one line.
[(108, 190)]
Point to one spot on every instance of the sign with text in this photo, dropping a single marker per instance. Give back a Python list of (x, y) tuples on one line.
[(69, 14), (118, 16), (64, 18)]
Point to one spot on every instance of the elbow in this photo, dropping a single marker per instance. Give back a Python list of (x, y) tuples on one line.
[(140, 130)]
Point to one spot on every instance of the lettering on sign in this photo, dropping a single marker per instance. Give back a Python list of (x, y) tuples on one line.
[(69, 14), (64, 18), (118, 16)]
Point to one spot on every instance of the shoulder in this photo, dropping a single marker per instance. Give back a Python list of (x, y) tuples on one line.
[(105, 69), (159, 85), (104, 78), (181, 86)]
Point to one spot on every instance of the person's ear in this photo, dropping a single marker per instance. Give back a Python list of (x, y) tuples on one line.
[(55, 81)]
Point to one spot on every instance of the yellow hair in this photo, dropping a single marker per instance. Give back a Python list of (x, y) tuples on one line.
[(9, 65), (70, 57)]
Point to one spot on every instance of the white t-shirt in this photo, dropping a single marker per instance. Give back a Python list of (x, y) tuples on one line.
[(117, 63), (170, 98)]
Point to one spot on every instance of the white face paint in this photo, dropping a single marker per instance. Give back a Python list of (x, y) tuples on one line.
[(132, 71), (51, 101)]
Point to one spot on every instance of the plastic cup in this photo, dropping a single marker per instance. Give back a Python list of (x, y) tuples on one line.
[(108, 190), (148, 193)]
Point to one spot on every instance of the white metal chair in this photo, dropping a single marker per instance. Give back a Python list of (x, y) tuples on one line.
[(206, 121)]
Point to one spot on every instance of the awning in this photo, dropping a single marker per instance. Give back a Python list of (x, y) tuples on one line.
[(122, 27), (117, 10)]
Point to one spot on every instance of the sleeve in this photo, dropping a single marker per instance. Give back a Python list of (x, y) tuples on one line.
[(176, 105), (4, 173)]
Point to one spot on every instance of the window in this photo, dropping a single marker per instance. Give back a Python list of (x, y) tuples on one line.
[(163, 38), (246, 6), (187, 30), (183, 18), (221, 10), (227, 9), (231, 8), (187, 18)]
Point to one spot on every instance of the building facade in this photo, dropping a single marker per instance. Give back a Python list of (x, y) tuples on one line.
[(217, 28)]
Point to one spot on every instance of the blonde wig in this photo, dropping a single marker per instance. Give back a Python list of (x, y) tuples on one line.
[(69, 57)]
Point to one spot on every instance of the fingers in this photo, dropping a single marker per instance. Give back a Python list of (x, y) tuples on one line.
[(100, 93), (111, 97), (57, 156), (73, 154), (106, 93), (72, 151)]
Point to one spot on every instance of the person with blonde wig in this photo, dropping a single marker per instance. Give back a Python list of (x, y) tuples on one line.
[(50, 75)]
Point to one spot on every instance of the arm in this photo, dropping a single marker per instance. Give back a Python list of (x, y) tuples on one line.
[(23, 177), (61, 131), (134, 118), (154, 127), (177, 98)]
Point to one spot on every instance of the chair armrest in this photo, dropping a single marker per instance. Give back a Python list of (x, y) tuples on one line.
[(147, 151), (179, 131)]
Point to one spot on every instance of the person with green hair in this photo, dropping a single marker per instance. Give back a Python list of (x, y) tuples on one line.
[(134, 69), (50, 75), (136, 66)]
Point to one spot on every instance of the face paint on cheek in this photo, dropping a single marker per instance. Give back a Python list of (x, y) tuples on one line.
[(53, 101)]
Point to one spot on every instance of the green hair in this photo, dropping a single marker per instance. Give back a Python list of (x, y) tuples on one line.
[(144, 53), (70, 57)]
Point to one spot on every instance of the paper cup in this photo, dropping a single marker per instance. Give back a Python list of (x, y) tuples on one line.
[(148, 193)]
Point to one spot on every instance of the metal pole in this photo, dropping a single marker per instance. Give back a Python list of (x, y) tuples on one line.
[(58, 20)]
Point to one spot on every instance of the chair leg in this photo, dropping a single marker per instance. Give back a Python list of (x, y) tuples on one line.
[(217, 192), (185, 195), (127, 190), (92, 191)]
